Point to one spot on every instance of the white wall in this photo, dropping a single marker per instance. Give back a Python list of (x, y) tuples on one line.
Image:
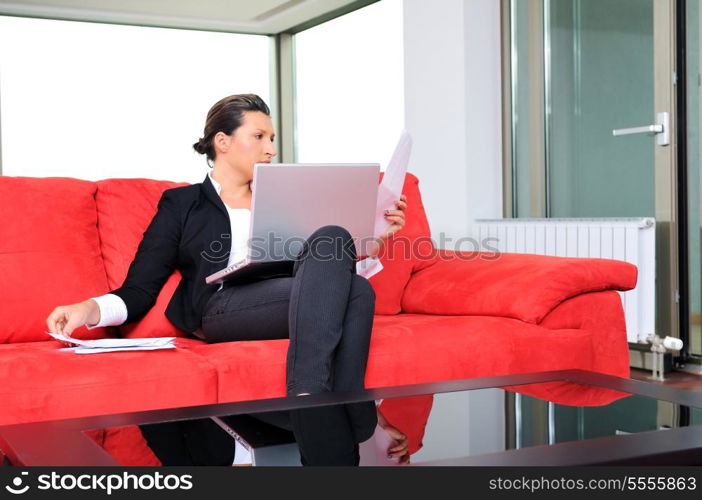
[(453, 109), (463, 424)]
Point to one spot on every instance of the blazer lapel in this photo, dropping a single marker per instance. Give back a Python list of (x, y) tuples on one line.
[(212, 195)]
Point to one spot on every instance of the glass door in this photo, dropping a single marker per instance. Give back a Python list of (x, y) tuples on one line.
[(604, 73), (601, 78), (694, 179)]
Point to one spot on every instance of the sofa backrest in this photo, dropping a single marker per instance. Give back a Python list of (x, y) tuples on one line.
[(49, 253), (125, 208), (64, 240)]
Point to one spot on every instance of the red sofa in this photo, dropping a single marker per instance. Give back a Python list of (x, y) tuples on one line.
[(440, 315)]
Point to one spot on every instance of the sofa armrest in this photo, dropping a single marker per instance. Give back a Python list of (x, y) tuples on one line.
[(601, 315), (521, 286)]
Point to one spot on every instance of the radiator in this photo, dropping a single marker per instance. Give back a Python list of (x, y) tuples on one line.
[(628, 239)]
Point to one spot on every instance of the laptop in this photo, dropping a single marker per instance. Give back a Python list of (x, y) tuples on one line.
[(292, 200)]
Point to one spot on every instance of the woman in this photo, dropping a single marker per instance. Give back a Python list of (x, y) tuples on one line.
[(324, 307)]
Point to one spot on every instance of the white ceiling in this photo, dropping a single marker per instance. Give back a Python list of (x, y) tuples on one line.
[(244, 16)]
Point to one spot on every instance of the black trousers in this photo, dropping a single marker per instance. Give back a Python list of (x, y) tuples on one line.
[(326, 310)]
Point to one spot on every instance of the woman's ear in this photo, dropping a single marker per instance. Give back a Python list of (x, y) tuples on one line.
[(221, 142)]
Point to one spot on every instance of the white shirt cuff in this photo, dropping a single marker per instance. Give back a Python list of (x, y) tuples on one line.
[(113, 311), (368, 267)]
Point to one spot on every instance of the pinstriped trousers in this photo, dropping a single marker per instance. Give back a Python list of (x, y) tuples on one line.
[(326, 310)]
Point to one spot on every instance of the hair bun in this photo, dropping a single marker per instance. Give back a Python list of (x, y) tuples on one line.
[(200, 147)]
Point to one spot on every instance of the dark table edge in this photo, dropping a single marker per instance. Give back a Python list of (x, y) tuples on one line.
[(679, 446), (60, 442)]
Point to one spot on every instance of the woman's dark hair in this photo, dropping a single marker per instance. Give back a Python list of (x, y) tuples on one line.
[(226, 116)]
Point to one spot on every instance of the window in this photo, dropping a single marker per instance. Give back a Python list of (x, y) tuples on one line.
[(350, 86), (94, 100)]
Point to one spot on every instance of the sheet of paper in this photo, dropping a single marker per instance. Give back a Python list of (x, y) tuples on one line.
[(109, 343), (369, 267), (390, 188), (97, 350)]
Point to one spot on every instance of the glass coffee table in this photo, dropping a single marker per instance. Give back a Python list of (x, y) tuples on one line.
[(480, 421)]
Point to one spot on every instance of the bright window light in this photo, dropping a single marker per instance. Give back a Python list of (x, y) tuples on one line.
[(94, 101), (350, 86)]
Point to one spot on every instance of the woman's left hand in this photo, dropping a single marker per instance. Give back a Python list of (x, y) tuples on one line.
[(397, 222), (395, 217), (399, 443)]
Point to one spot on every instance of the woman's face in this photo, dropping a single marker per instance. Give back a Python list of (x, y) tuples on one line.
[(251, 143)]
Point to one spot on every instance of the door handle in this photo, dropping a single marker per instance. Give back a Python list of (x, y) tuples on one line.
[(660, 129)]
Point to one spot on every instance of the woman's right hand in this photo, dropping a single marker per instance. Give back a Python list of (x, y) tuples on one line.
[(65, 319)]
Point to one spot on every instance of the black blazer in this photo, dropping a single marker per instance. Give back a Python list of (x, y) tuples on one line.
[(190, 232)]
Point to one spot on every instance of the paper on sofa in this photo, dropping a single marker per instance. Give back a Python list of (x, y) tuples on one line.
[(109, 345)]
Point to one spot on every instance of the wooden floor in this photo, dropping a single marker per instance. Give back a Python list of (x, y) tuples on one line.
[(680, 380)]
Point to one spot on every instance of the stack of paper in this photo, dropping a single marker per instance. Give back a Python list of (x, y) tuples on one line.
[(111, 345)]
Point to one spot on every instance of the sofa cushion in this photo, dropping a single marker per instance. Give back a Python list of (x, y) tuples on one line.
[(125, 208), (457, 347), (40, 382), (408, 251), (49, 253), (521, 286), (413, 349)]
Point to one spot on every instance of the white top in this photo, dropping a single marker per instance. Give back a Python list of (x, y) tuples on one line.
[(239, 218), (113, 310)]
